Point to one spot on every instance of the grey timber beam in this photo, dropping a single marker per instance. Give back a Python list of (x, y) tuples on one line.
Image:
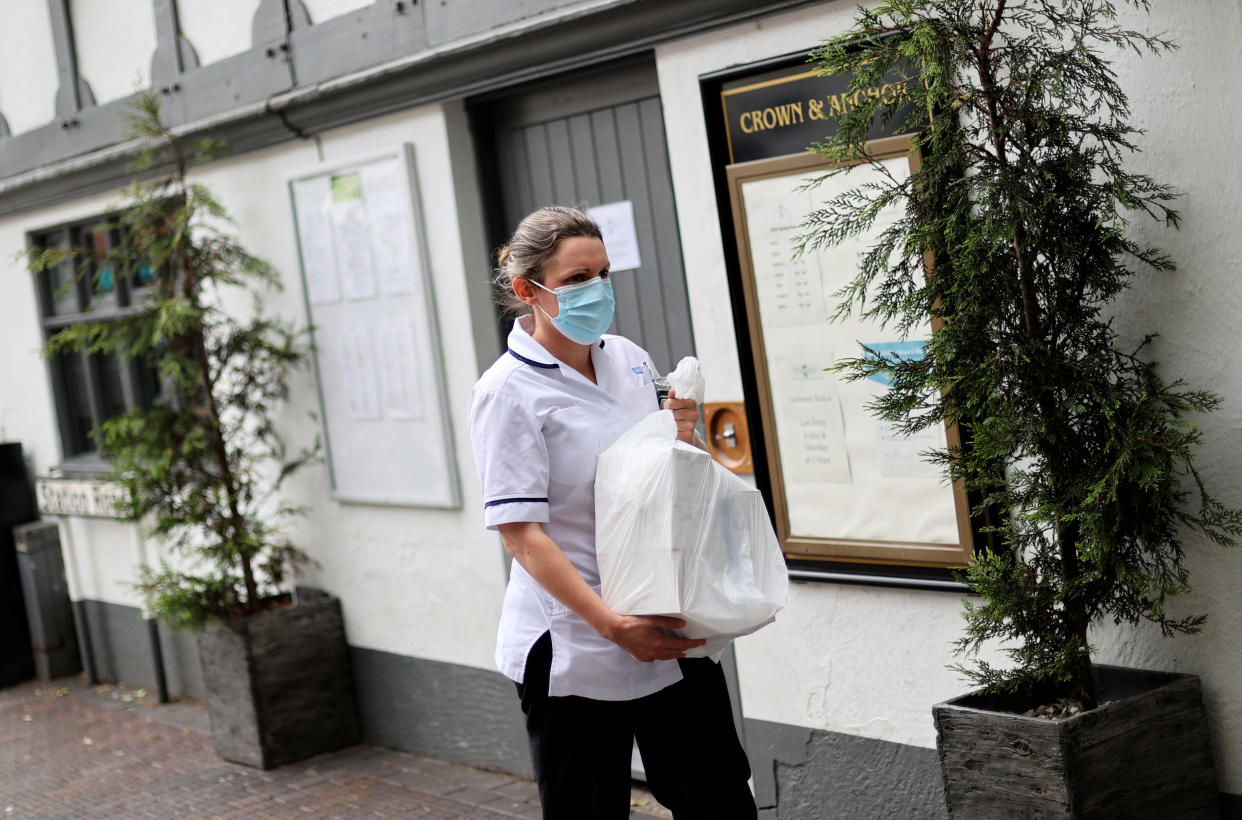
[(174, 54), (274, 19), (74, 94)]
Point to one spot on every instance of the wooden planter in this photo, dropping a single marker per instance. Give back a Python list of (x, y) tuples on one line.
[(1145, 753), (278, 684)]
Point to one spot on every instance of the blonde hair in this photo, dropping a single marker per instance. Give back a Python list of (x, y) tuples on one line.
[(533, 243)]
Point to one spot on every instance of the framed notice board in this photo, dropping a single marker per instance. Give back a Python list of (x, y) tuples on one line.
[(845, 487), (376, 343)]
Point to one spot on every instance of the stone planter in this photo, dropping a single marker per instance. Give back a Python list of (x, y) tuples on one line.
[(1144, 753), (278, 684)]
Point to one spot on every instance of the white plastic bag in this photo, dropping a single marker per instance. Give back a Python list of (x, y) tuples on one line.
[(678, 534)]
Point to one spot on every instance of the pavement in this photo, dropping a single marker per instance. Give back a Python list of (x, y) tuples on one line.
[(69, 750)]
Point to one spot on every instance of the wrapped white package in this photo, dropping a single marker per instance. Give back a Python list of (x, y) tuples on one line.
[(678, 534)]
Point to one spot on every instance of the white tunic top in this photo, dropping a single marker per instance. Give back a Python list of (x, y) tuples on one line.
[(537, 426)]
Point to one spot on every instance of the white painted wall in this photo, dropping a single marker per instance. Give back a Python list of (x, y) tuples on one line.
[(320, 10), (415, 582), (115, 42), (217, 28), (1188, 103), (871, 661), (28, 76)]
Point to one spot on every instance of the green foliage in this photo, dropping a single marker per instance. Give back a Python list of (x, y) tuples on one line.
[(1081, 453), (204, 466)]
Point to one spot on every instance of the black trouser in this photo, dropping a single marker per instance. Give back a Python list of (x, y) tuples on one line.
[(581, 747)]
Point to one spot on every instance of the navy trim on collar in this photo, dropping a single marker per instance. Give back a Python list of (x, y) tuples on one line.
[(532, 362), (601, 344)]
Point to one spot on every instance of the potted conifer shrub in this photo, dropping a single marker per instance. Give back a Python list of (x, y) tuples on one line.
[(1012, 234), (204, 465)]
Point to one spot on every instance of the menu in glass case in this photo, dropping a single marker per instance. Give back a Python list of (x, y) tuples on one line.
[(846, 484)]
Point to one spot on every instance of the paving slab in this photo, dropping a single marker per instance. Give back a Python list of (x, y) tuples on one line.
[(69, 750)]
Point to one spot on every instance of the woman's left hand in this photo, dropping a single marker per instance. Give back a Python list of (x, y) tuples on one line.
[(685, 413)]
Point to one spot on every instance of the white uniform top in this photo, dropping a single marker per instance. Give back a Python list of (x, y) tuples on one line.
[(537, 426)]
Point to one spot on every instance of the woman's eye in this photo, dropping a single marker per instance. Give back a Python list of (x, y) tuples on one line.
[(604, 274)]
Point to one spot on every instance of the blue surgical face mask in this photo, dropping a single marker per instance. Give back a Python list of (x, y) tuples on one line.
[(585, 309)]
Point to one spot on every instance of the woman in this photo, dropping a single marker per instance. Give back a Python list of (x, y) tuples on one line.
[(591, 681)]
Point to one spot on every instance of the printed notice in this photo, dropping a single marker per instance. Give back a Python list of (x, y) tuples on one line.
[(377, 354), (352, 236), (903, 456), (398, 370), (791, 291), (313, 204), (396, 265), (616, 223), (809, 424), (358, 363)]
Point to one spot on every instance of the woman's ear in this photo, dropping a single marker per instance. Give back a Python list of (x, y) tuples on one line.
[(524, 290)]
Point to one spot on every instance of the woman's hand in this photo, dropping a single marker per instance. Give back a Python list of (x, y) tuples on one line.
[(640, 635), (685, 413)]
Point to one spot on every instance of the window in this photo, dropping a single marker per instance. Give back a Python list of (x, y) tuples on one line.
[(90, 388)]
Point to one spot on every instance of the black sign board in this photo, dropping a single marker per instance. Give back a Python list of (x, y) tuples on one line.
[(783, 111)]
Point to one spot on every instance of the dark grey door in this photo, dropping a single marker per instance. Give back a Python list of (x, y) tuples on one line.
[(595, 138)]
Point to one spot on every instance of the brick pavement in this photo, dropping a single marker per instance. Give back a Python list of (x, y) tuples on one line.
[(72, 751)]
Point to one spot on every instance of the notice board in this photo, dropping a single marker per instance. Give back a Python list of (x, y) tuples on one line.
[(377, 357), (846, 486)]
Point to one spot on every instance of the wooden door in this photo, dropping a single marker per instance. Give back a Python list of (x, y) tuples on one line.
[(595, 138)]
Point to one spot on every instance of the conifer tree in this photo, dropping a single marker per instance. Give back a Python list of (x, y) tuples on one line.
[(1014, 234), (202, 466)]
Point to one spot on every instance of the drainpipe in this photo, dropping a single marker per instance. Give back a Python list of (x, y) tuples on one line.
[(80, 619), (153, 629)]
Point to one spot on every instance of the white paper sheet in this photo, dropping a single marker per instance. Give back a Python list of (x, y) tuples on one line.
[(791, 291), (398, 369), (809, 424), (358, 363), (352, 236), (396, 265), (313, 204), (901, 456), (616, 223)]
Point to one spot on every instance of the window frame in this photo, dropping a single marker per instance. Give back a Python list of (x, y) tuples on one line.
[(79, 452)]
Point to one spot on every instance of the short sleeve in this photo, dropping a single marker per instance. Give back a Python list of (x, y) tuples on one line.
[(511, 458)]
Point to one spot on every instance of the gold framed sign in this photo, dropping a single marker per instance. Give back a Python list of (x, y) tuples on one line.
[(845, 487)]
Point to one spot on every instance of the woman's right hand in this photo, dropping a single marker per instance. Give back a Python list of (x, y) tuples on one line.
[(641, 636), (685, 413)]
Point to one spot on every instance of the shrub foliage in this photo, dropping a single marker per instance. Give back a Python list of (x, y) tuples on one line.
[(1013, 234), (204, 465)]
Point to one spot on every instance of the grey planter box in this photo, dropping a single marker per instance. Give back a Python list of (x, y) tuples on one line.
[(1145, 753), (278, 684)]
